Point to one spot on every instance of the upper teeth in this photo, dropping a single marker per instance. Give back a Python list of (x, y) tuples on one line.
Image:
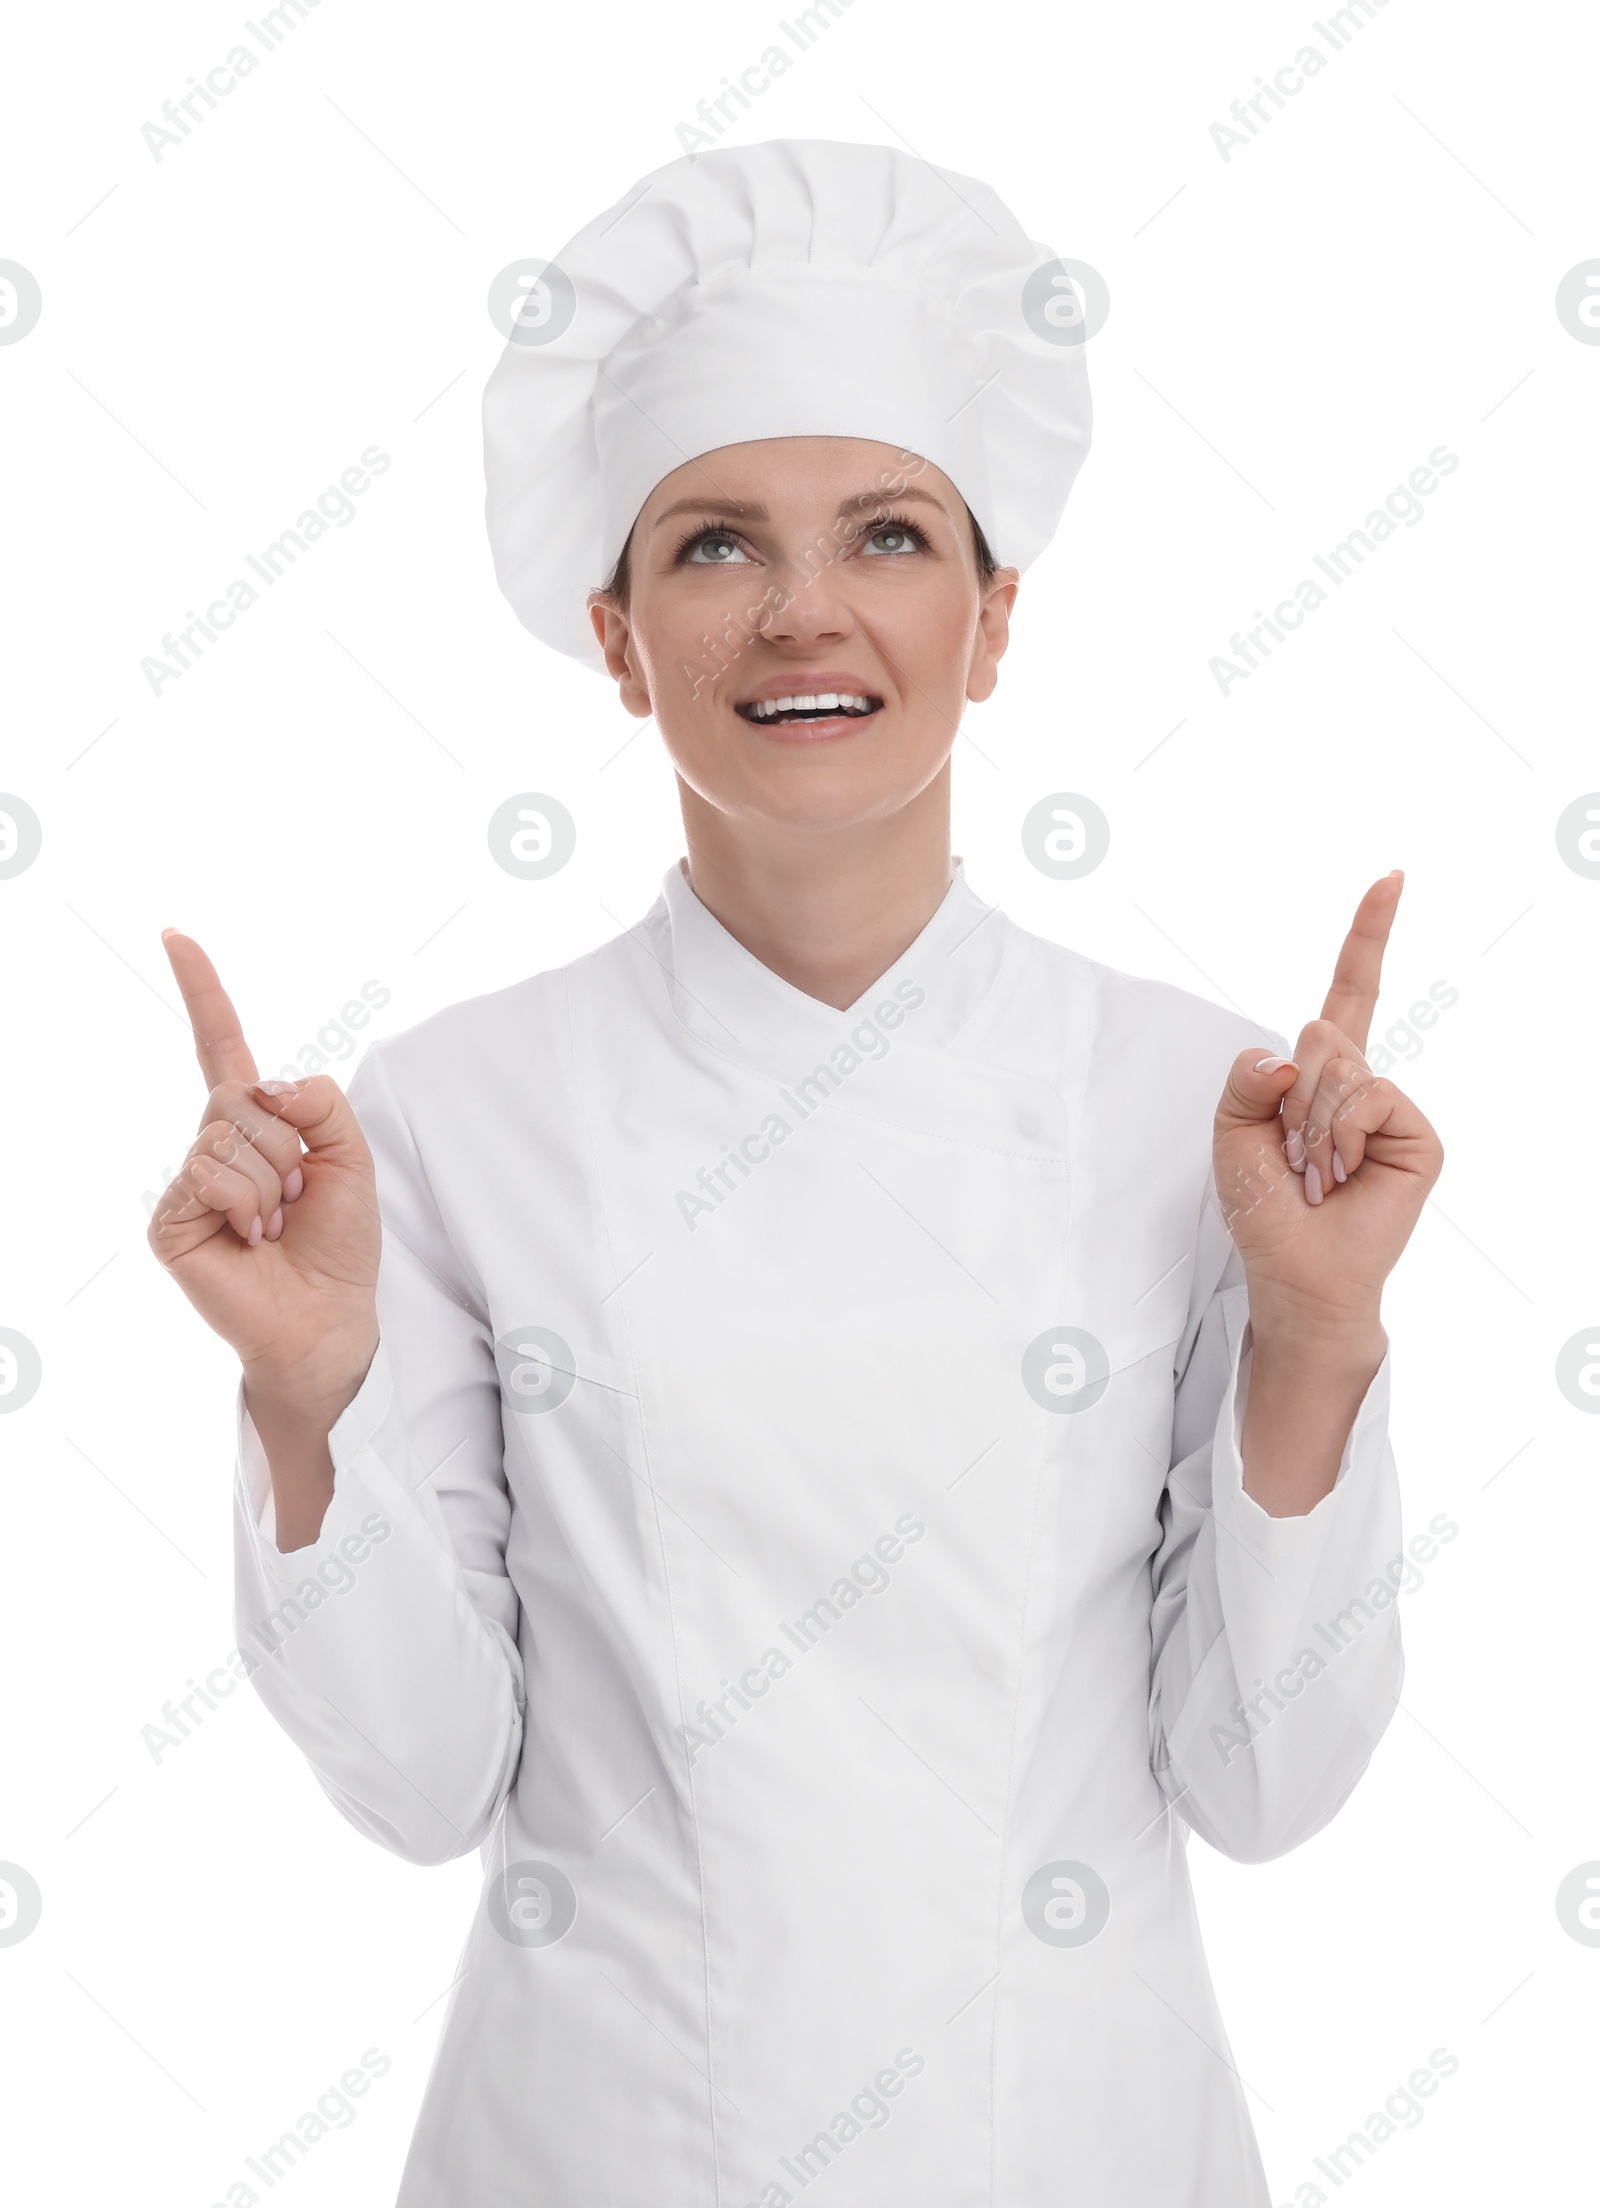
[(823, 701)]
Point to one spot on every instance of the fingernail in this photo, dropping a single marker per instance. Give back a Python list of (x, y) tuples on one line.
[(276, 1088), (1313, 1185), (254, 1235), (274, 1226), (1294, 1143), (1339, 1172), (1271, 1065), (293, 1182)]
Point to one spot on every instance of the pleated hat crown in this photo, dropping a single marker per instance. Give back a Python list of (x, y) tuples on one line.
[(794, 288)]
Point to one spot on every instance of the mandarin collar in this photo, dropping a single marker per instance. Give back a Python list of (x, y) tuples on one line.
[(725, 997)]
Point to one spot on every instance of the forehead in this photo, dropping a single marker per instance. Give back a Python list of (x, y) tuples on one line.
[(777, 475)]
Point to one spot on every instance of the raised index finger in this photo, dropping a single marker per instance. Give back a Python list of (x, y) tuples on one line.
[(219, 1042), (1353, 998)]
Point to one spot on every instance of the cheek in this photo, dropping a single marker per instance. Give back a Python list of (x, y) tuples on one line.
[(923, 629), (689, 631), (694, 651)]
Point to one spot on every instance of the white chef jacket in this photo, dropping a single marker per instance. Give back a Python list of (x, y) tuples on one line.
[(793, 1528)]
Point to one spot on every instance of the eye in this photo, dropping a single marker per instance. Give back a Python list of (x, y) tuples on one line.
[(712, 548), (894, 537)]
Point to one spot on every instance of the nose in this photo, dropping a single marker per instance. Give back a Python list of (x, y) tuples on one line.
[(817, 609)]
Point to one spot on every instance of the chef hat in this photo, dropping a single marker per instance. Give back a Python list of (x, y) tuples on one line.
[(795, 288)]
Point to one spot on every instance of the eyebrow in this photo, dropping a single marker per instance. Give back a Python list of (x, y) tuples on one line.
[(738, 509)]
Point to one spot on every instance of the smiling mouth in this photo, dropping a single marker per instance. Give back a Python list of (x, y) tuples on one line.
[(825, 705)]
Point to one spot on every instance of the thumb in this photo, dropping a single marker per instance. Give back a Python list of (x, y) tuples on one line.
[(320, 1114), (1256, 1086)]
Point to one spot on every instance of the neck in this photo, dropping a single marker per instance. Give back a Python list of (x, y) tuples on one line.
[(827, 910)]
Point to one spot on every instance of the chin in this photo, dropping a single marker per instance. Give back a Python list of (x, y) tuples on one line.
[(828, 804)]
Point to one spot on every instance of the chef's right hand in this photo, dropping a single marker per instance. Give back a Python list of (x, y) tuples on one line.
[(276, 1247)]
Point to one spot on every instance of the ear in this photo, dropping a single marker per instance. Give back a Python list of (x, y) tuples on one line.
[(614, 634), (993, 633)]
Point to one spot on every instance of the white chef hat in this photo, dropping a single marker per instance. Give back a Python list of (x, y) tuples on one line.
[(794, 288)]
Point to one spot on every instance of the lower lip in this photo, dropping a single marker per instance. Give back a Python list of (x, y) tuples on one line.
[(826, 731)]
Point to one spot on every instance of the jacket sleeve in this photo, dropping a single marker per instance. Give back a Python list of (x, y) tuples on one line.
[(1276, 1658), (387, 1648)]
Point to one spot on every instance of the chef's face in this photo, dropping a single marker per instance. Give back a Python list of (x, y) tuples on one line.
[(832, 572)]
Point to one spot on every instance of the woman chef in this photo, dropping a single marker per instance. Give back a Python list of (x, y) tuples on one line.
[(847, 1450)]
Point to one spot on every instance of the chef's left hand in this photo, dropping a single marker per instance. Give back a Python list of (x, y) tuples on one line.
[(1322, 1166)]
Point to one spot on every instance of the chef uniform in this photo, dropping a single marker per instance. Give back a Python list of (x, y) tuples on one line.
[(793, 1524)]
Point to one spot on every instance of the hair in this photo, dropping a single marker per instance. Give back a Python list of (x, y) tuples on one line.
[(620, 579)]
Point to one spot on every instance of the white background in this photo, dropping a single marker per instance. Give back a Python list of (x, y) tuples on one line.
[(1292, 331)]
